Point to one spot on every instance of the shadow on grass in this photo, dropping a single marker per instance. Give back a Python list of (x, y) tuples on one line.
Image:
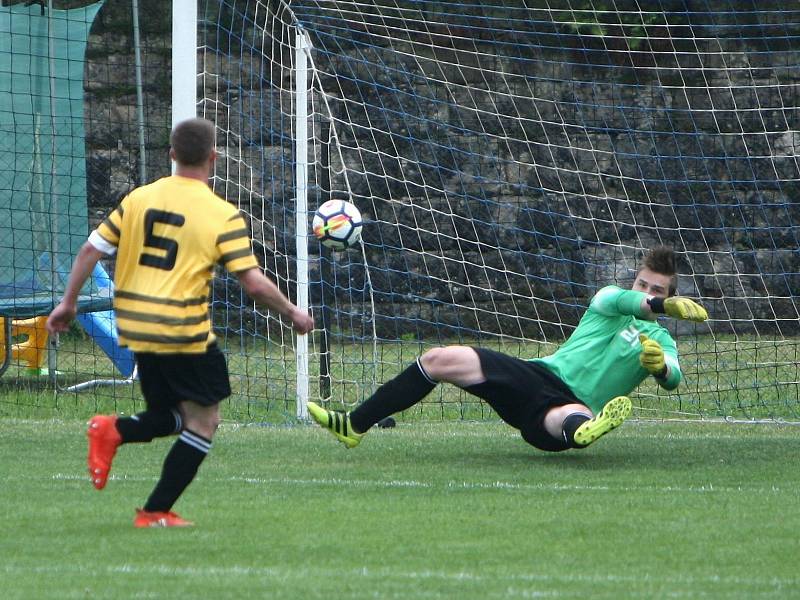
[(662, 452)]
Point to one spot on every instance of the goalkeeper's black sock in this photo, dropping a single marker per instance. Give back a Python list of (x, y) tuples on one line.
[(145, 426), (179, 470), (570, 425), (397, 394)]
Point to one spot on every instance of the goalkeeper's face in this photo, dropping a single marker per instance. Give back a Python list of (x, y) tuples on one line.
[(652, 283)]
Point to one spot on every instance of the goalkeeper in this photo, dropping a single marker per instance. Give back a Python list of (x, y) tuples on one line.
[(565, 400)]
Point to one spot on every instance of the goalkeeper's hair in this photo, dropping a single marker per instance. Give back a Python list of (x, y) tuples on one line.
[(662, 260), (192, 141)]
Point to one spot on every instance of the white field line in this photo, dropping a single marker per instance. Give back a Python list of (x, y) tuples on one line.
[(468, 428), (456, 485), (288, 573)]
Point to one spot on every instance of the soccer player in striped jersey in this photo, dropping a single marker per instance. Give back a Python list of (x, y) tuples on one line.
[(167, 237), (565, 400)]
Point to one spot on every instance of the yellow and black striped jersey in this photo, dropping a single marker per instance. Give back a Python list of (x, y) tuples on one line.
[(169, 235)]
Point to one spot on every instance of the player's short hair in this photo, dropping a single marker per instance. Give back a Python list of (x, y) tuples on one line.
[(192, 141), (662, 260)]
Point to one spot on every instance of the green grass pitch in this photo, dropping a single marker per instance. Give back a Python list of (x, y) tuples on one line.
[(426, 510)]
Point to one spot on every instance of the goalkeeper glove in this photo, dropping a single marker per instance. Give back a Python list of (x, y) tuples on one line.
[(678, 307), (652, 357)]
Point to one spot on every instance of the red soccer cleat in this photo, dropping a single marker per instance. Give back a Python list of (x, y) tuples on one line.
[(159, 519), (104, 439)]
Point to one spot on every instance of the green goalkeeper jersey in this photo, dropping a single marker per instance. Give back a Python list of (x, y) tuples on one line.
[(600, 360)]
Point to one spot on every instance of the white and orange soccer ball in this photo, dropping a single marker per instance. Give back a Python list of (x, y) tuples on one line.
[(337, 224)]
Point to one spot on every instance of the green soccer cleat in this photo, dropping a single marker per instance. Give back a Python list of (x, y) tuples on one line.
[(338, 423), (612, 416)]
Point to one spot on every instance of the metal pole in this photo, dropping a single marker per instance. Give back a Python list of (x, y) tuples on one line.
[(325, 276), (302, 45), (184, 61), (137, 53), (52, 345)]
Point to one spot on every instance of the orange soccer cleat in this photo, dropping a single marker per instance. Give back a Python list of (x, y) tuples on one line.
[(104, 439), (159, 519)]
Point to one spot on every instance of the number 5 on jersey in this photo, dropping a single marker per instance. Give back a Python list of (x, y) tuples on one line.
[(151, 240)]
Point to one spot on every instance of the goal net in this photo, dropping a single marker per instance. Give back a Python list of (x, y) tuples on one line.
[(511, 158)]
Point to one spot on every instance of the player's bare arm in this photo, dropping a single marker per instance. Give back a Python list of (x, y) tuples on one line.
[(63, 314)]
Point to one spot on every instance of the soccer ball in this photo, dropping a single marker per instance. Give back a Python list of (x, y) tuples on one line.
[(337, 224)]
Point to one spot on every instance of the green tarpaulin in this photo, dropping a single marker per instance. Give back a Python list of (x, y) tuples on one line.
[(43, 212)]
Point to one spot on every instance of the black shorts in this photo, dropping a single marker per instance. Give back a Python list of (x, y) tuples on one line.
[(167, 379), (522, 392)]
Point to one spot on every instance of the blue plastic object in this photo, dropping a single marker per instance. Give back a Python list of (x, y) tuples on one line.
[(101, 326)]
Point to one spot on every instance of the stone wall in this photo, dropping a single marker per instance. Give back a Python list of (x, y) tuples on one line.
[(538, 194)]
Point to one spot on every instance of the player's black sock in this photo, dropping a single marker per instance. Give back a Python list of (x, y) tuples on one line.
[(145, 426), (400, 393), (570, 425), (180, 467)]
